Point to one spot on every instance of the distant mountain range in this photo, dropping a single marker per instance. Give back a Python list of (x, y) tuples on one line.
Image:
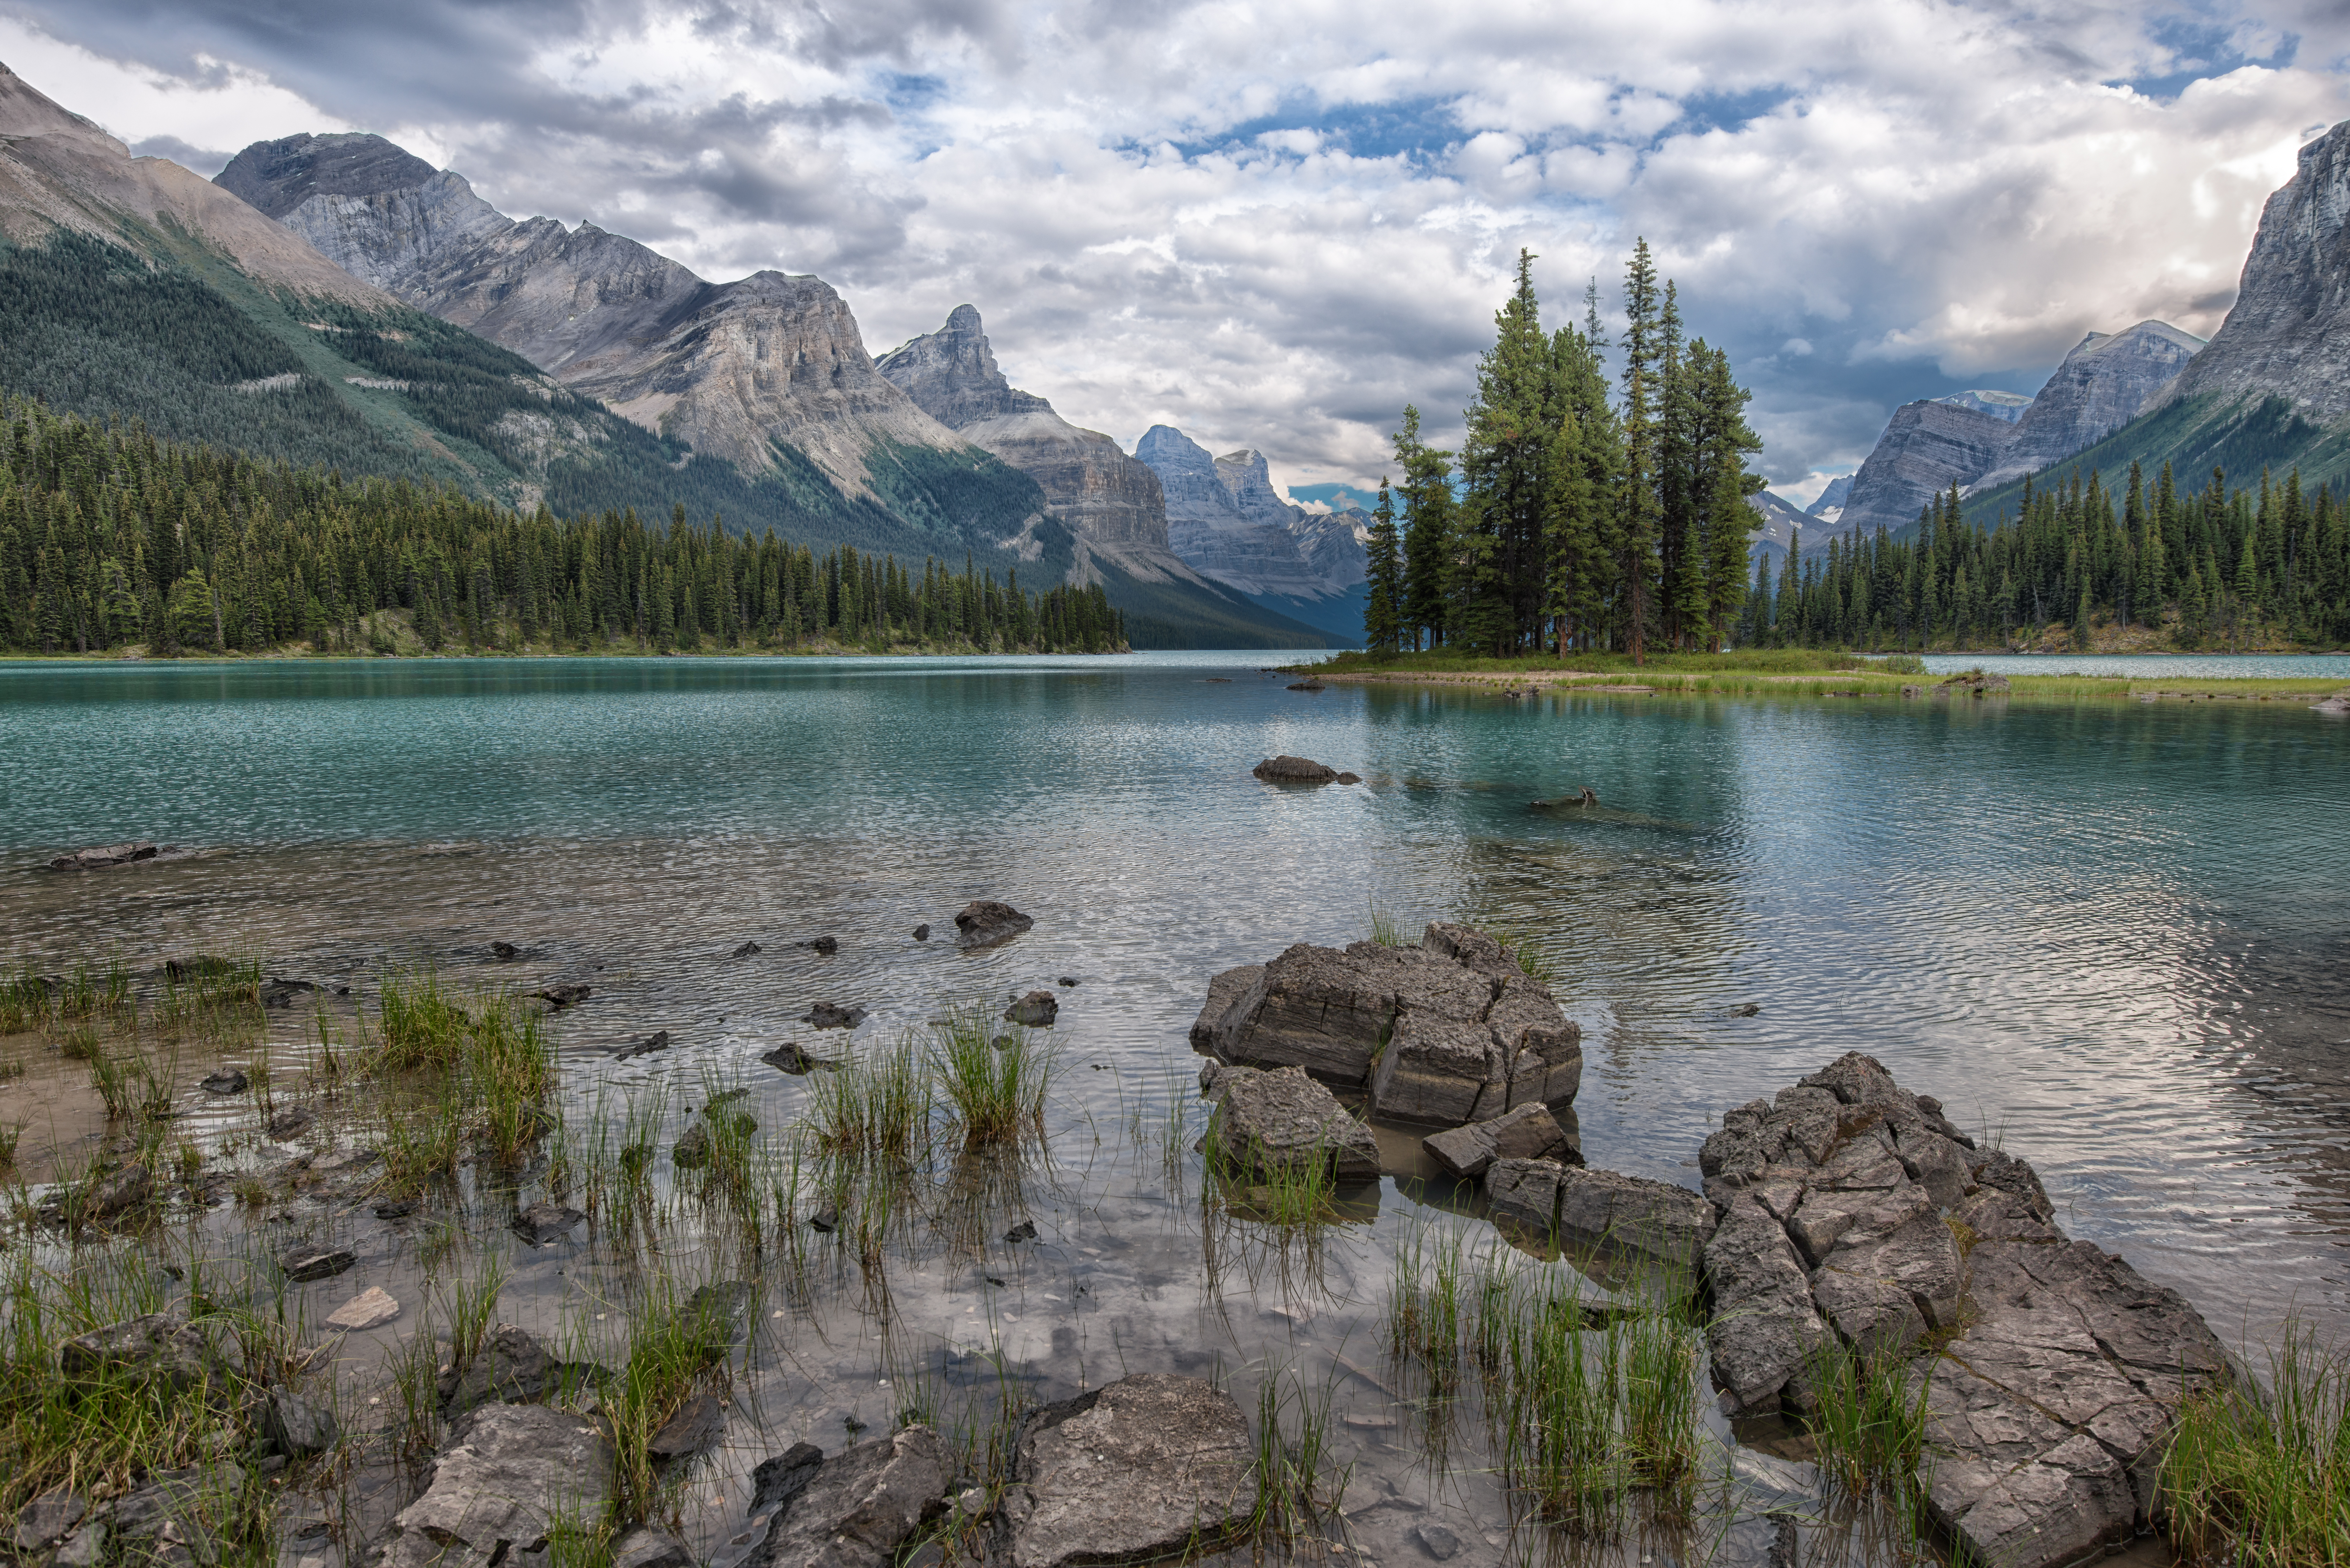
[(334, 300)]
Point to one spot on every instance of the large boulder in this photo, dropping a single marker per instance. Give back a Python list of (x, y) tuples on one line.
[(1448, 1032), (1284, 1121), (507, 1474), (2054, 1372), (855, 1509), (1136, 1470), (984, 923)]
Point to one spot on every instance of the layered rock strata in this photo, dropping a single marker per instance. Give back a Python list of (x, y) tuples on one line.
[(1448, 1032), (2103, 383), (1225, 519), (731, 368), (1628, 1216), (2288, 333), (1926, 448), (1852, 1213), (1112, 502)]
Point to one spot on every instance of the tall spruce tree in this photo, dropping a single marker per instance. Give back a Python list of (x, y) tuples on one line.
[(1383, 611), (1638, 509), (1429, 545)]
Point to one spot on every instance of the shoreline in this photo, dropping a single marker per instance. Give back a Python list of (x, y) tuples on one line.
[(1849, 683)]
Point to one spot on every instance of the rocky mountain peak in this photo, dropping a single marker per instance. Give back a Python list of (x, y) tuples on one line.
[(2288, 333), (952, 374), (1928, 446), (279, 176), (2103, 383), (2008, 406)]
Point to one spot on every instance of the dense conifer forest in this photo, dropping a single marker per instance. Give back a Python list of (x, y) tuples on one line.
[(110, 538), (1574, 521)]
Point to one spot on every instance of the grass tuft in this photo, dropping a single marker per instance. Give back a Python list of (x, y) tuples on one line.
[(2264, 1481)]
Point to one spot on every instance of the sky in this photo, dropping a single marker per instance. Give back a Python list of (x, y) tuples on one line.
[(1274, 225)]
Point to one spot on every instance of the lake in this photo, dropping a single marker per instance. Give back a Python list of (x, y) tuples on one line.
[(2113, 937)]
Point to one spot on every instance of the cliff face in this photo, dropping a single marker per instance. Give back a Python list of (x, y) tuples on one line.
[(1112, 501), (2103, 384), (1927, 447), (1224, 519), (730, 367), (2288, 333)]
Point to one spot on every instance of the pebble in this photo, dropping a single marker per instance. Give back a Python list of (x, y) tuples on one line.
[(372, 1308)]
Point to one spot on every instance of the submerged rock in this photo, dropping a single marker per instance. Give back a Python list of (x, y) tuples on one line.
[(826, 1015), (1284, 1120), (104, 855), (372, 1308), (658, 1041), (300, 1427), (1141, 1468), (745, 950), (279, 995), (2057, 1370), (546, 1221), (306, 1263), (984, 923), (111, 1197), (228, 1081), (504, 952), (1529, 1132), (1037, 1010), (511, 1367), (1294, 770), (854, 1510), (825, 945), (504, 1478), (646, 1547), (292, 1122), (790, 1058), (922, 932), (558, 997), (695, 1427), (1448, 1032)]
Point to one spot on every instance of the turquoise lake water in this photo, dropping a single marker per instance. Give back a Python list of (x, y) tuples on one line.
[(2114, 936)]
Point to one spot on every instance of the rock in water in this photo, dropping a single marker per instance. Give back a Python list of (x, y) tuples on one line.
[(825, 945), (646, 1547), (696, 1426), (825, 1015), (503, 1477), (985, 922), (790, 1058), (228, 1081), (1284, 1120), (504, 952), (855, 1509), (644, 1047), (2054, 1383), (1529, 1132), (304, 1265), (1294, 769), (511, 1367), (1037, 1010), (1305, 686), (2337, 703), (558, 997), (922, 932), (372, 1308), (104, 855), (1138, 1469), (161, 1344), (299, 1428), (544, 1222), (745, 950), (111, 1197), (1448, 1032)]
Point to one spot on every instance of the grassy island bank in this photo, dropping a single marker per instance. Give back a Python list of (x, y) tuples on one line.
[(1788, 672)]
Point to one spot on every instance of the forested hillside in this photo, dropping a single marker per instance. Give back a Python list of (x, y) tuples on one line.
[(111, 537), (2216, 567)]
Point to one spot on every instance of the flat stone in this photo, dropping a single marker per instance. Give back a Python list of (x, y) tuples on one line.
[(546, 1221), (1524, 1192), (99, 856), (49, 1517), (306, 1263), (1529, 1132), (860, 1506), (1438, 1540), (511, 1367), (1283, 1120), (505, 1475), (985, 923), (1134, 1471), (372, 1308), (300, 1427), (1631, 1216)]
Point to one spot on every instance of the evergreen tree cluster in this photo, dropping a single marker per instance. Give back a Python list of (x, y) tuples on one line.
[(2212, 567), (111, 537), (1579, 519)]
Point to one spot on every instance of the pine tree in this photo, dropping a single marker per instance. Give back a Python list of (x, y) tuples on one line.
[(1383, 614), (1639, 508), (1429, 526)]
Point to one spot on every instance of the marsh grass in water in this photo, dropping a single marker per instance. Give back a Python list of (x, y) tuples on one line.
[(2261, 1479), (995, 1079)]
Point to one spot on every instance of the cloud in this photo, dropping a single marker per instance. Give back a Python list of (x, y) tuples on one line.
[(1274, 225)]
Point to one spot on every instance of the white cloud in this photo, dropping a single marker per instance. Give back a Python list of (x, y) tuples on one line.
[(1273, 225)]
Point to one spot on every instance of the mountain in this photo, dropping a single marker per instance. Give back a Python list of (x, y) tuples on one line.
[(2272, 388), (1828, 505), (2103, 384), (1780, 519), (2008, 406), (1928, 446), (1225, 518)]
